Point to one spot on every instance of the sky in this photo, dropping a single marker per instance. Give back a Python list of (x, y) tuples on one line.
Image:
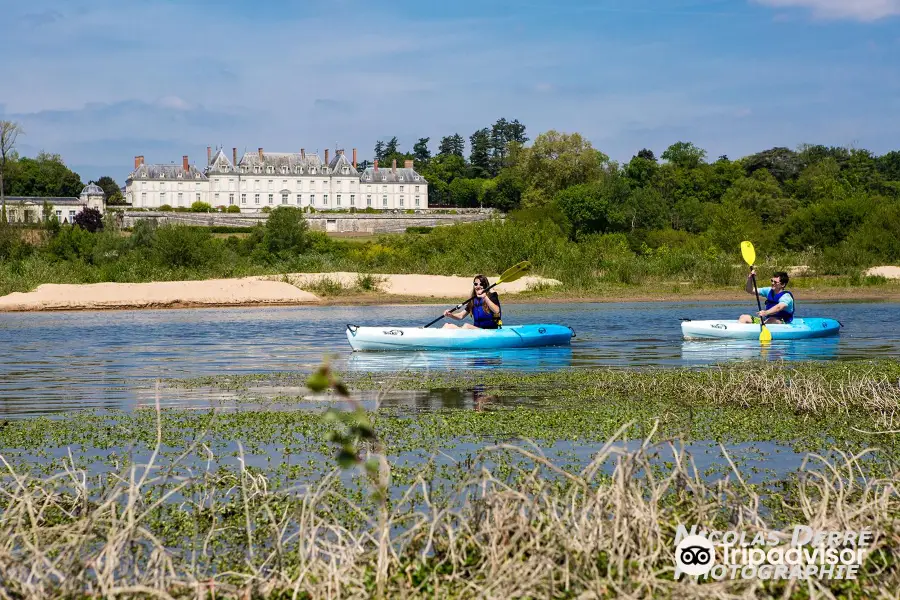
[(102, 81)]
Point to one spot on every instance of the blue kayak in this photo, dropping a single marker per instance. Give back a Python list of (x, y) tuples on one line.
[(438, 338), (797, 329)]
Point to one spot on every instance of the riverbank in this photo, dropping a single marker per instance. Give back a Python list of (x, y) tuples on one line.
[(363, 289)]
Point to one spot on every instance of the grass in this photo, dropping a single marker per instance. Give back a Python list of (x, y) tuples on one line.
[(250, 503)]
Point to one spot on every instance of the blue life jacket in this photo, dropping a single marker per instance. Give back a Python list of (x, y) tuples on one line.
[(773, 299), (485, 319)]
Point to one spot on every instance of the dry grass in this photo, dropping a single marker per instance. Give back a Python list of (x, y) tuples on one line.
[(529, 529)]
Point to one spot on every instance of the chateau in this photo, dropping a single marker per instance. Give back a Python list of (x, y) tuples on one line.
[(261, 179), (30, 209)]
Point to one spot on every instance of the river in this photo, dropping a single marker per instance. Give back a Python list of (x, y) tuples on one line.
[(61, 361)]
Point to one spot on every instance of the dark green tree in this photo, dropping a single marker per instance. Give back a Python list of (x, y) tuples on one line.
[(421, 153), (452, 144), (480, 156), (89, 219)]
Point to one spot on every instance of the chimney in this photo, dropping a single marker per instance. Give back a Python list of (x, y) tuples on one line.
[(184, 163), (376, 165), (354, 158), (408, 164), (260, 151), (208, 155), (302, 153), (394, 166), (326, 156), (137, 161), (234, 156)]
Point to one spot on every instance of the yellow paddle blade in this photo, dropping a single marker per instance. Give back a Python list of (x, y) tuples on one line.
[(748, 252), (765, 335), (514, 272)]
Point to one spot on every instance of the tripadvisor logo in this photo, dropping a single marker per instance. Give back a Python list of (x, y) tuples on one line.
[(804, 553), (694, 555)]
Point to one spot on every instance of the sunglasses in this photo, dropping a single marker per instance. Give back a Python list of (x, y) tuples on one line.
[(477, 285)]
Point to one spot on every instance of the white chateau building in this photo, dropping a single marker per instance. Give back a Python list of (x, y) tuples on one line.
[(30, 209), (272, 179)]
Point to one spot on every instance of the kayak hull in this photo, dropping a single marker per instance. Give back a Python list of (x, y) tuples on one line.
[(438, 338), (798, 329)]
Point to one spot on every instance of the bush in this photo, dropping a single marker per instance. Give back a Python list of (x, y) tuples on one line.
[(199, 206), (234, 208), (182, 246), (165, 208), (285, 231), (419, 229), (89, 219)]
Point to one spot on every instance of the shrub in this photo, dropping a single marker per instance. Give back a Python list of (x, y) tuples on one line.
[(182, 246), (89, 219), (165, 208), (199, 206), (234, 208)]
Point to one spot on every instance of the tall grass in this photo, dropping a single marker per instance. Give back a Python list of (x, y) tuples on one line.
[(528, 529)]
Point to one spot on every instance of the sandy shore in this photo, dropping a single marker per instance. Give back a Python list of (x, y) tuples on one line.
[(244, 291)]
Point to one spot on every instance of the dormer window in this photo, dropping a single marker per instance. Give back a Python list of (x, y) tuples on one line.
[(179, 175), (283, 170), (346, 170), (270, 169), (223, 167), (401, 178), (312, 171), (162, 175), (257, 169), (298, 170), (417, 177)]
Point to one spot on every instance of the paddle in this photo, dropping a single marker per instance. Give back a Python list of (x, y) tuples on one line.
[(749, 254), (511, 274)]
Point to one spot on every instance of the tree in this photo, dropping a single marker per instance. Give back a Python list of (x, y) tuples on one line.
[(889, 165), (452, 144), (44, 175), (480, 157), (646, 154), (285, 231), (111, 190), (379, 151), (556, 161), (89, 219), (595, 207), (782, 163), (502, 134), (392, 147), (684, 154), (9, 131), (421, 153)]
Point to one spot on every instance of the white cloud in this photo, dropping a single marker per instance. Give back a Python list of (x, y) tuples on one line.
[(860, 10)]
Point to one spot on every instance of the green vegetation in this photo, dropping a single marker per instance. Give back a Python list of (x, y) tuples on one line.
[(456, 503), (576, 215)]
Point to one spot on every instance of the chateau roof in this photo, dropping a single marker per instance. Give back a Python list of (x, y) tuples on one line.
[(92, 189), (386, 175), (171, 171), (55, 200)]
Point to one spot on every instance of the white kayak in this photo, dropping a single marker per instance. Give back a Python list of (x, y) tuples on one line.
[(438, 338), (797, 329)]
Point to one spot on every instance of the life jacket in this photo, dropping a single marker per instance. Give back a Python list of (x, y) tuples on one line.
[(485, 319), (772, 300)]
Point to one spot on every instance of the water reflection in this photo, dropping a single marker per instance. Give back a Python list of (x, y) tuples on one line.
[(705, 352), (520, 359)]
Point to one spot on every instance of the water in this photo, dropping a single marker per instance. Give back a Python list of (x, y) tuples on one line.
[(61, 361)]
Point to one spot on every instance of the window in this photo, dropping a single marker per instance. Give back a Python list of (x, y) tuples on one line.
[(401, 201), (284, 183), (271, 185), (401, 187), (369, 200), (230, 199), (338, 199), (270, 169), (401, 178), (346, 170), (256, 185), (384, 188), (217, 198), (143, 197), (179, 185), (71, 216), (325, 200), (257, 169), (284, 198), (162, 185), (312, 199), (271, 198), (298, 199), (179, 199), (198, 196), (312, 171), (384, 201), (417, 200), (352, 200), (243, 198), (417, 177), (417, 189), (283, 170), (59, 215), (256, 198), (162, 197)]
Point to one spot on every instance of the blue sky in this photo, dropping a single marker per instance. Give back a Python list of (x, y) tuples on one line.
[(102, 81)]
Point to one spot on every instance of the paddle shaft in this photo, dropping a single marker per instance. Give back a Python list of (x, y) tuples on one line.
[(461, 304)]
